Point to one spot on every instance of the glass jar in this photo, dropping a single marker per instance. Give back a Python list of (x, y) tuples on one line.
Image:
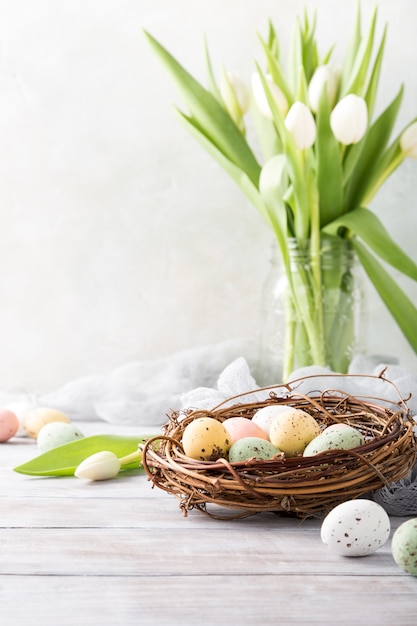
[(313, 310)]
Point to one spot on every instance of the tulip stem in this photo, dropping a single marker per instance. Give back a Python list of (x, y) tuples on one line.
[(131, 458)]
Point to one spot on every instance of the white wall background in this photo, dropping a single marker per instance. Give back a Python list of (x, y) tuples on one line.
[(120, 239)]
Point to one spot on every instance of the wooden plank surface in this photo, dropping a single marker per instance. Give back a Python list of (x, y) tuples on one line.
[(120, 552)]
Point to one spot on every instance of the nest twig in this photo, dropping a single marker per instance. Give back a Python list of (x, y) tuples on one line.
[(303, 486)]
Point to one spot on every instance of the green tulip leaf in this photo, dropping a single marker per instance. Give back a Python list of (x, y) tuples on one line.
[(277, 72), (294, 165), (239, 176), (329, 165), (64, 460), (365, 160), (273, 183), (209, 114), (400, 306), (352, 50), (371, 91), (359, 73), (368, 227), (210, 74)]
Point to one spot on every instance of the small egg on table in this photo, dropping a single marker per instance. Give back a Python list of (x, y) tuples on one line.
[(56, 434), (37, 418), (9, 424)]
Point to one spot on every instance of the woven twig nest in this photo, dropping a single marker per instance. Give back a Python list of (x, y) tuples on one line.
[(302, 486)]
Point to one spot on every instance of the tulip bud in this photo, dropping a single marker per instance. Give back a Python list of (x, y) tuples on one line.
[(408, 141), (240, 91), (328, 75), (300, 122), (349, 119), (261, 98), (99, 466)]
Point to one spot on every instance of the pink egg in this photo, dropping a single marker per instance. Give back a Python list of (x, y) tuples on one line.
[(9, 425), (239, 427)]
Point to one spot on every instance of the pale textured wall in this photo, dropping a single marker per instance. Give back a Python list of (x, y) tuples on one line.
[(119, 238)]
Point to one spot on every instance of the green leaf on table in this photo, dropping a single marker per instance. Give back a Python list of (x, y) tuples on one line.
[(63, 460), (397, 302), (368, 227), (209, 114)]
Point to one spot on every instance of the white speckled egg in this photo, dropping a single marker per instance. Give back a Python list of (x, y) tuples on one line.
[(292, 430), (56, 434), (404, 546), (355, 528), (340, 437), (252, 448), (37, 418), (264, 417)]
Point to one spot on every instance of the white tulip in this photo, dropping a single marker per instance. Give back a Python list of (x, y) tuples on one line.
[(261, 98), (240, 89), (324, 74), (349, 119), (99, 466), (300, 122), (408, 141)]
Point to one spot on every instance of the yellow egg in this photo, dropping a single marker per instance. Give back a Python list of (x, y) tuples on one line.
[(292, 430), (37, 418), (206, 439)]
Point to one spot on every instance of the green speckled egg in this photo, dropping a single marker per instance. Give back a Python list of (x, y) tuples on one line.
[(404, 546), (252, 448), (341, 437), (57, 434)]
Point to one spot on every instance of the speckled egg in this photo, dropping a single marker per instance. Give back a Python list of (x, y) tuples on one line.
[(206, 439), (292, 430), (240, 427), (355, 528), (252, 448), (340, 437), (9, 425), (404, 546), (56, 434), (37, 418), (264, 417)]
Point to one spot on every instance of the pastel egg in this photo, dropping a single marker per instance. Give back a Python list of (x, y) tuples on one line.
[(37, 418), (239, 427), (264, 417), (21, 408), (252, 448), (340, 437), (9, 424), (205, 439), (292, 430), (56, 434), (404, 546), (355, 528)]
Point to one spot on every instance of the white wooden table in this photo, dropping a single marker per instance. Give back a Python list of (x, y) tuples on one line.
[(120, 553)]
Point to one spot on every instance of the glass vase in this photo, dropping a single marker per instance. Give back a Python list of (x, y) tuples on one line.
[(313, 309)]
